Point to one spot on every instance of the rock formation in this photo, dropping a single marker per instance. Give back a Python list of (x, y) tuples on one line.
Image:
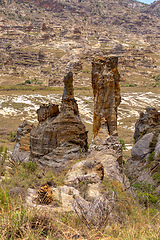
[(59, 136), (144, 165), (21, 150), (106, 91), (47, 111), (106, 148), (147, 120)]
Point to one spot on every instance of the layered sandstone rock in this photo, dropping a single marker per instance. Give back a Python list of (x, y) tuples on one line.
[(21, 150), (106, 147), (62, 136), (106, 91), (47, 111), (85, 170), (105, 151)]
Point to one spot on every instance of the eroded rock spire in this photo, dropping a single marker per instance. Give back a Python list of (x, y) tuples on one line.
[(60, 136), (68, 86), (106, 91)]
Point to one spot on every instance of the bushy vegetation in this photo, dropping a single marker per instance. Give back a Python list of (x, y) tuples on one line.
[(122, 143)]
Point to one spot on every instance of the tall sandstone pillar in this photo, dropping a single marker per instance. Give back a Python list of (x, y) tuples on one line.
[(106, 91)]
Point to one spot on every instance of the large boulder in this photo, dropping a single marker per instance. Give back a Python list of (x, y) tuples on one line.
[(141, 148)]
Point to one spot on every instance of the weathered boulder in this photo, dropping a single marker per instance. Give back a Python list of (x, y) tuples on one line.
[(85, 170), (21, 150), (146, 121), (62, 134), (63, 198), (141, 148), (17, 192), (86, 176), (106, 91)]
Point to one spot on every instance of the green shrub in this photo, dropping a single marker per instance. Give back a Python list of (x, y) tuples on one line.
[(147, 198), (122, 143), (4, 199), (151, 156), (156, 176), (30, 166), (27, 82), (144, 186)]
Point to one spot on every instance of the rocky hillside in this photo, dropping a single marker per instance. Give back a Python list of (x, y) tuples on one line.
[(41, 40)]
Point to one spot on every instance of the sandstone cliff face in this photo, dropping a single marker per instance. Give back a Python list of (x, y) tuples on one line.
[(106, 91), (61, 136)]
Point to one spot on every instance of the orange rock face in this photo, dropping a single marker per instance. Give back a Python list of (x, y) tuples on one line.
[(106, 91)]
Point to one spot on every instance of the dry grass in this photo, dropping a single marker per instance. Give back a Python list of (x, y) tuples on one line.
[(125, 219), (20, 222)]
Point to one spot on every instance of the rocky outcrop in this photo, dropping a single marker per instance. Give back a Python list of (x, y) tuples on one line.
[(105, 158), (147, 121), (141, 149), (106, 91), (105, 153), (144, 165), (21, 150), (85, 170), (59, 137), (106, 147)]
